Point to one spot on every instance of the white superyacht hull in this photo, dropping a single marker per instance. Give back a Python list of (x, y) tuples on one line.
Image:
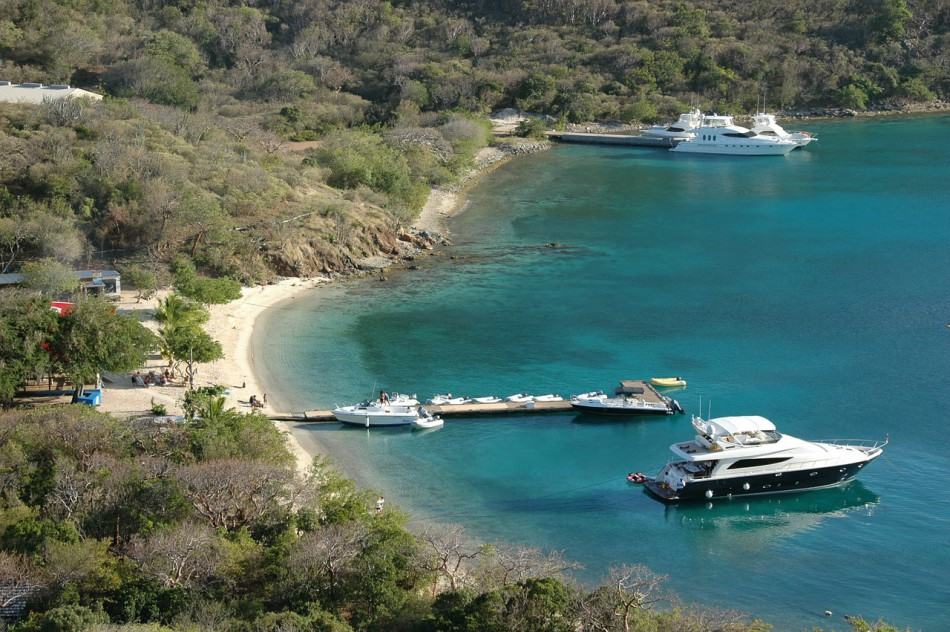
[(736, 149)]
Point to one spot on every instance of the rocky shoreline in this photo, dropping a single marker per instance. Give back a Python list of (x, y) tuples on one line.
[(877, 109)]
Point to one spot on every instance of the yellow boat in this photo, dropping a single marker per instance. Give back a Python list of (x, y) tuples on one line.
[(667, 381)]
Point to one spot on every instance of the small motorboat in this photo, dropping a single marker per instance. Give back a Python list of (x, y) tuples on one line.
[(520, 398), (427, 421), (590, 395), (401, 399), (487, 400), (549, 398), (667, 381), (442, 400), (637, 478)]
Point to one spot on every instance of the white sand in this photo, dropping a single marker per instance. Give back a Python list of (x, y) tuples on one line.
[(441, 205), (231, 325)]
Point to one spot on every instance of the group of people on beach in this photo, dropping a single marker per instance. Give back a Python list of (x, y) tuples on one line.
[(153, 378), (257, 403)]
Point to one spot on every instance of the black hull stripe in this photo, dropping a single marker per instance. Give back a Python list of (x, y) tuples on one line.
[(759, 484), (621, 412)]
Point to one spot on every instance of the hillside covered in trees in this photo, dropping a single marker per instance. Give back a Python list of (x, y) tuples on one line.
[(207, 526), (191, 155)]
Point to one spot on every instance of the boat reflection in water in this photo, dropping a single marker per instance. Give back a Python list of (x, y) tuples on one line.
[(767, 518)]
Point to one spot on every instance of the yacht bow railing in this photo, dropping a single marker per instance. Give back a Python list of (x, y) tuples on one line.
[(870, 444)]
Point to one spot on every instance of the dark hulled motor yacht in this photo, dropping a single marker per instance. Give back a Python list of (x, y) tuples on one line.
[(736, 456)]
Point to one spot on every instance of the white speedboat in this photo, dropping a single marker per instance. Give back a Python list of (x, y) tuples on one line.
[(491, 399), (599, 403), (720, 135), (683, 129), (735, 456), (520, 398), (549, 398), (377, 414), (765, 125)]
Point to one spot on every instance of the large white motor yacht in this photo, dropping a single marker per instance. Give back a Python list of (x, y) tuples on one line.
[(720, 135), (766, 125), (734, 456), (683, 129), (377, 414)]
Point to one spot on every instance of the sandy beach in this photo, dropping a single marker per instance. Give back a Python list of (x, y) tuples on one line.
[(232, 325)]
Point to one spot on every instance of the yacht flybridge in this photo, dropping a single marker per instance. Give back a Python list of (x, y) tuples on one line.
[(720, 135), (733, 456), (683, 129)]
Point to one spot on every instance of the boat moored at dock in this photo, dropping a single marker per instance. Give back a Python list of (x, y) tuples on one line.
[(683, 129), (667, 382), (736, 456), (601, 404), (766, 125), (427, 421), (377, 414), (720, 135)]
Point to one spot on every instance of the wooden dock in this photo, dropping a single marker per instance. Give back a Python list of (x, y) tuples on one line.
[(640, 388), (629, 140)]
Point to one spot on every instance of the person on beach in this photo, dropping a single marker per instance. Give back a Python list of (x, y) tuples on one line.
[(380, 502), (253, 401), (265, 399)]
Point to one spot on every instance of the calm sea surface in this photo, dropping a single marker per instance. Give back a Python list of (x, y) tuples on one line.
[(812, 289)]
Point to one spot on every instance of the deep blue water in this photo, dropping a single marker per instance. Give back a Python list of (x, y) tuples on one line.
[(812, 289)]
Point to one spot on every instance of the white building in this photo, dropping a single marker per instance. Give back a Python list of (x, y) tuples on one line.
[(36, 92)]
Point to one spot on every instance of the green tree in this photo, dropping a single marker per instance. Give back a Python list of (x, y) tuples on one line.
[(852, 96), (190, 345), (93, 338), (26, 324), (532, 128), (890, 20), (50, 277), (69, 618), (203, 289), (144, 281)]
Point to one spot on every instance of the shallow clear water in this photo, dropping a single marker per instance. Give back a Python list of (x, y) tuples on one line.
[(814, 290)]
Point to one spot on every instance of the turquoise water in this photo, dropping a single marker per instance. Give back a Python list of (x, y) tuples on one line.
[(812, 289)]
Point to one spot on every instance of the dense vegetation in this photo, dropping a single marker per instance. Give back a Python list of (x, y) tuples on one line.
[(196, 161), (206, 525), (35, 342)]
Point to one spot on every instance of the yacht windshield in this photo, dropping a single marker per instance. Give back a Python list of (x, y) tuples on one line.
[(748, 134)]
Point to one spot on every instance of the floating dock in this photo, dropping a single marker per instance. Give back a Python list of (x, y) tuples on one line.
[(629, 140), (640, 388)]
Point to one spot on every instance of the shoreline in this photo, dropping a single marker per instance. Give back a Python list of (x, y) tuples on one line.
[(445, 203), (233, 324)]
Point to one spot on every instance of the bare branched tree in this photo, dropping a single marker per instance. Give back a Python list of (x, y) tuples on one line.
[(232, 493), (179, 556), (500, 566), (320, 559), (447, 552), (63, 111), (614, 605)]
